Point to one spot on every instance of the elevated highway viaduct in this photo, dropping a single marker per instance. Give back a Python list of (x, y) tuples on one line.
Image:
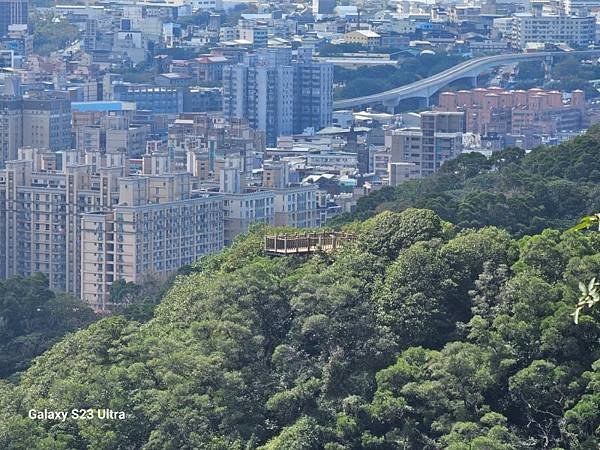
[(427, 87)]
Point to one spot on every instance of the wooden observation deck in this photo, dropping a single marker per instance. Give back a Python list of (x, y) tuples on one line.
[(298, 244)]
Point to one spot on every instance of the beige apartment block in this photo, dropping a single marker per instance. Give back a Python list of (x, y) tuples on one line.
[(243, 209), (40, 219), (135, 241), (87, 225), (297, 207), (426, 148)]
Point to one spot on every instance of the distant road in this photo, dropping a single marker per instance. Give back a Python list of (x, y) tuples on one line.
[(426, 87), (352, 62)]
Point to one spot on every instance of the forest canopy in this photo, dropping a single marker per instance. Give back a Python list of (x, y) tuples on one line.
[(32, 319), (52, 33), (417, 335)]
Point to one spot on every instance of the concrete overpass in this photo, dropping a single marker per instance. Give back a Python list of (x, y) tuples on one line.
[(427, 87)]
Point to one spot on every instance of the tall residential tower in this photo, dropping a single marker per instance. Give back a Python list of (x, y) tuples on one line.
[(12, 12), (278, 95)]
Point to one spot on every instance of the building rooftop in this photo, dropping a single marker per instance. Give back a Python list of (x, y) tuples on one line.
[(368, 33), (175, 76), (102, 106)]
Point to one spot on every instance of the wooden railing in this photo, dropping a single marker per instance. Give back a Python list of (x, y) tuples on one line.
[(291, 244)]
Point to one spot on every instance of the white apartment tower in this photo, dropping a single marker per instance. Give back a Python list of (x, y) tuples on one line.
[(536, 27), (261, 90), (279, 96)]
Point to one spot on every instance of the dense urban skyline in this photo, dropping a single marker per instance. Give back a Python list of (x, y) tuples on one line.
[(195, 106)]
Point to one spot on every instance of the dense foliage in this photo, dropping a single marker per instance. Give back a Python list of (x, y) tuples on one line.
[(415, 336), (138, 301), (550, 187), (32, 319), (51, 33)]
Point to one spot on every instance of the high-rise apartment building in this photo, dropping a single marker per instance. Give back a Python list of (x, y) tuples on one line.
[(442, 139), (261, 90), (90, 36), (426, 148), (40, 120), (296, 206), (235, 99), (579, 30), (271, 112), (277, 95), (157, 227), (47, 120), (275, 203), (313, 92), (86, 226), (242, 209), (42, 218), (11, 128), (112, 133), (206, 137), (12, 12)]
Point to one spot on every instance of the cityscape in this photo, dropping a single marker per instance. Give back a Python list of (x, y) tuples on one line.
[(299, 224)]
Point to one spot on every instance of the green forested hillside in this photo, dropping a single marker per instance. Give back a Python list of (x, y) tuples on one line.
[(550, 187), (32, 319), (416, 336)]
